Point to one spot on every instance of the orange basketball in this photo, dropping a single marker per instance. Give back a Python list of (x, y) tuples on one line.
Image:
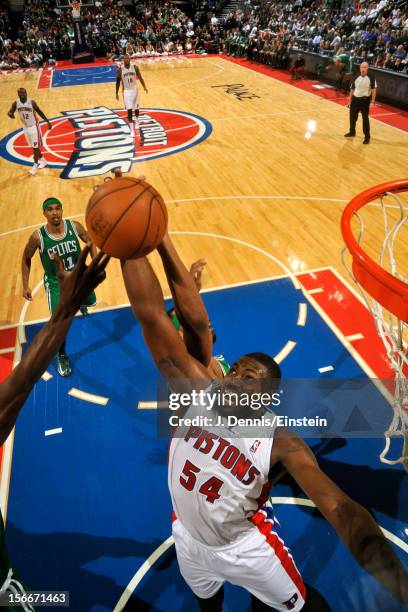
[(126, 217)]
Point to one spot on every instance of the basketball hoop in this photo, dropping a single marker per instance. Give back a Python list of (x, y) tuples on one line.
[(385, 291), (76, 10)]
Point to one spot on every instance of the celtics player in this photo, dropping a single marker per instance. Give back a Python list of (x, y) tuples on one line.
[(16, 388), (58, 236)]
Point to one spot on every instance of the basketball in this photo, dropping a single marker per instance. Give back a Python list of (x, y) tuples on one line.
[(126, 217)]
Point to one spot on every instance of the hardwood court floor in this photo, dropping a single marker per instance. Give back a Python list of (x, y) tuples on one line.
[(256, 179)]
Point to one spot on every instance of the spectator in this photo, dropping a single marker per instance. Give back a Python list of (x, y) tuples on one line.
[(297, 70)]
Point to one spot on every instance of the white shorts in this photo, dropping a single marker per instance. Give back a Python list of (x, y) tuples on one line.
[(131, 99), (33, 136), (259, 562)]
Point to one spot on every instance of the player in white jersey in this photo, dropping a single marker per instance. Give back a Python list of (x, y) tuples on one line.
[(219, 475), (127, 76), (27, 109)]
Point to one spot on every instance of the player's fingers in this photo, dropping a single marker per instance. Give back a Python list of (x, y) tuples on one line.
[(82, 258), (99, 263), (59, 265), (103, 262)]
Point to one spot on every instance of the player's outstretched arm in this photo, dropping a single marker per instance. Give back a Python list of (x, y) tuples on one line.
[(189, 306), (39, 112), (32, 245), (12, 110), (75, 286), (167, 348), (353, 523)]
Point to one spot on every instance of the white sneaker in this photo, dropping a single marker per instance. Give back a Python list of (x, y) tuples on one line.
[(34, 169), (41, 164)]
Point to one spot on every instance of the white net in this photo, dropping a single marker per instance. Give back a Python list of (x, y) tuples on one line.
[(391, 213)]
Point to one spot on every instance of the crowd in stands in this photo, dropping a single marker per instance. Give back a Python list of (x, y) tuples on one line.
[(46, 33), (376, 32), (262, 30)]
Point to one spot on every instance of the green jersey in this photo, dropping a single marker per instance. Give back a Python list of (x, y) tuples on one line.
[(345, 59), (67, 247)]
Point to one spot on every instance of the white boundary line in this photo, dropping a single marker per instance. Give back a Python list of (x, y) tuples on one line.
[(9, 349), (144, 568), (164, 546), (88, 397), (53, 432), (284, 352), (209, 198), (302, 315)]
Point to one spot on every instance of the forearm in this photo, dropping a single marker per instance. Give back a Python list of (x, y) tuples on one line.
[(42, 115), (365, 540), (164, 342), (189, 305), (25, 272), (143, 288), (373, 96), (16, 388), (117, 86)]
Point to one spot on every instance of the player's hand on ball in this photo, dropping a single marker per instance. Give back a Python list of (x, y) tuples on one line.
[(27, 295), (78, 284)]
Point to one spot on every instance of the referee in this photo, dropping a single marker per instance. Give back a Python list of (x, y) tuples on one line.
[(362, 93)]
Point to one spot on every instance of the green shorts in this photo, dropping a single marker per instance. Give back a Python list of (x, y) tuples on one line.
[(52, 289)]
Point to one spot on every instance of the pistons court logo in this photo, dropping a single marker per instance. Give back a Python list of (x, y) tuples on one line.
[(93, 141)]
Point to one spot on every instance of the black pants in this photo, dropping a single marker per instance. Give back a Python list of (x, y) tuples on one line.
[(360, 105)]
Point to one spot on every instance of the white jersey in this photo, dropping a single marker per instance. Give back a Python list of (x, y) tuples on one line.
[(218, 477), (26, 112), (129, 78)]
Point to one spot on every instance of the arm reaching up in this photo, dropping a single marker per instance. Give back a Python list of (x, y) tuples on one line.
[(167, 348), (189, 306)]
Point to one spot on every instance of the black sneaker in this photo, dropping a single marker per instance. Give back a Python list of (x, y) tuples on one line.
[(63, 365), (349, 135), (366, 140)]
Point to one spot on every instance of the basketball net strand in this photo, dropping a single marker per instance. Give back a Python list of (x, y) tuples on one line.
[(390, 329)]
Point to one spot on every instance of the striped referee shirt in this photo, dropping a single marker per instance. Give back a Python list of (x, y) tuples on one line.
[(362, 86)]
